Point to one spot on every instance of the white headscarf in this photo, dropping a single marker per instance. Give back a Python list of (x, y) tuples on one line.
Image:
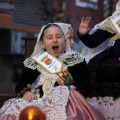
[(64, 26), (38, 48)]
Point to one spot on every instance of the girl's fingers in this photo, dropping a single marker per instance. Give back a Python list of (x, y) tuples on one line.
[(87, 20), (29, 96), (26, 98), (33, 97)]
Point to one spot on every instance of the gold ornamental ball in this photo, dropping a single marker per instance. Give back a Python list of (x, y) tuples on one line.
[(32, 113)]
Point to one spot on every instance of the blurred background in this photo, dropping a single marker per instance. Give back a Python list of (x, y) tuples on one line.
[(21, 21)]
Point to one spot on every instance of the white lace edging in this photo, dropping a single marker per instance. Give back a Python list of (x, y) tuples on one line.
[(71, 58), (53, 104), (29, 63)]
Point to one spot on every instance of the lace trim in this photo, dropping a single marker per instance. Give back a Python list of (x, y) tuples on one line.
[(15, 106), (113, 118), (106, 101), (53, 104), (29, 63), (71, 58)]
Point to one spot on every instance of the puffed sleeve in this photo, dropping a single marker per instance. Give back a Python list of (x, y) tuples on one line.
[(94, 39), (28, 76)]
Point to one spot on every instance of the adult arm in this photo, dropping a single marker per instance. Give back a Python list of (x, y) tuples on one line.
[(94, 39)]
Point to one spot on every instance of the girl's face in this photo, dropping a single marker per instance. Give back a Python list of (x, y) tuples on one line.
[(69, 37), (53, 41)]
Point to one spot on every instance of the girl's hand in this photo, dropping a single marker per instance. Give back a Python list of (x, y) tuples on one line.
[(84, 25), (29, 96)]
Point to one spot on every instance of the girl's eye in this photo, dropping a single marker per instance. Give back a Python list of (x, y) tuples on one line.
[(59, 36), (49, 38), (70, 38)]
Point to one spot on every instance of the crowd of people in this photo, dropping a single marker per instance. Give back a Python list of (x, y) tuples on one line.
[(62, 83)]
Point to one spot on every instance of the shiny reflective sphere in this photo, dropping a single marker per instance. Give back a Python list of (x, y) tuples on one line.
[(32, 113)]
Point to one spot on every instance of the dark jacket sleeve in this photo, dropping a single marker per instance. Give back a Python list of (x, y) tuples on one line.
[(81, 75), (28, 76), (94, 39)]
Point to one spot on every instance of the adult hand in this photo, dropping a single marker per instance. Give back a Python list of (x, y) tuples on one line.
[(29, 96), (84, 25)]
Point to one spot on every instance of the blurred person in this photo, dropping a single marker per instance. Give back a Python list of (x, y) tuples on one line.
[(105, 66)]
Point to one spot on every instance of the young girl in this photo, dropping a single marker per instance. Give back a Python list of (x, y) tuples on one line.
[(47, 78)]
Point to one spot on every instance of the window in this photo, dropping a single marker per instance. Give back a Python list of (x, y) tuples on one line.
[(87, 3), (32, 13)]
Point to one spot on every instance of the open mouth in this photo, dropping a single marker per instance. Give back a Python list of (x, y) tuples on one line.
[(55, 47)]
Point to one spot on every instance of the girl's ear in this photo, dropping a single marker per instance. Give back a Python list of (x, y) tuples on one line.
[(42, 44)]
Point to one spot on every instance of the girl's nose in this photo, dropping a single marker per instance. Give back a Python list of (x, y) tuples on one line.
[(54, 39), (73, 42)]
